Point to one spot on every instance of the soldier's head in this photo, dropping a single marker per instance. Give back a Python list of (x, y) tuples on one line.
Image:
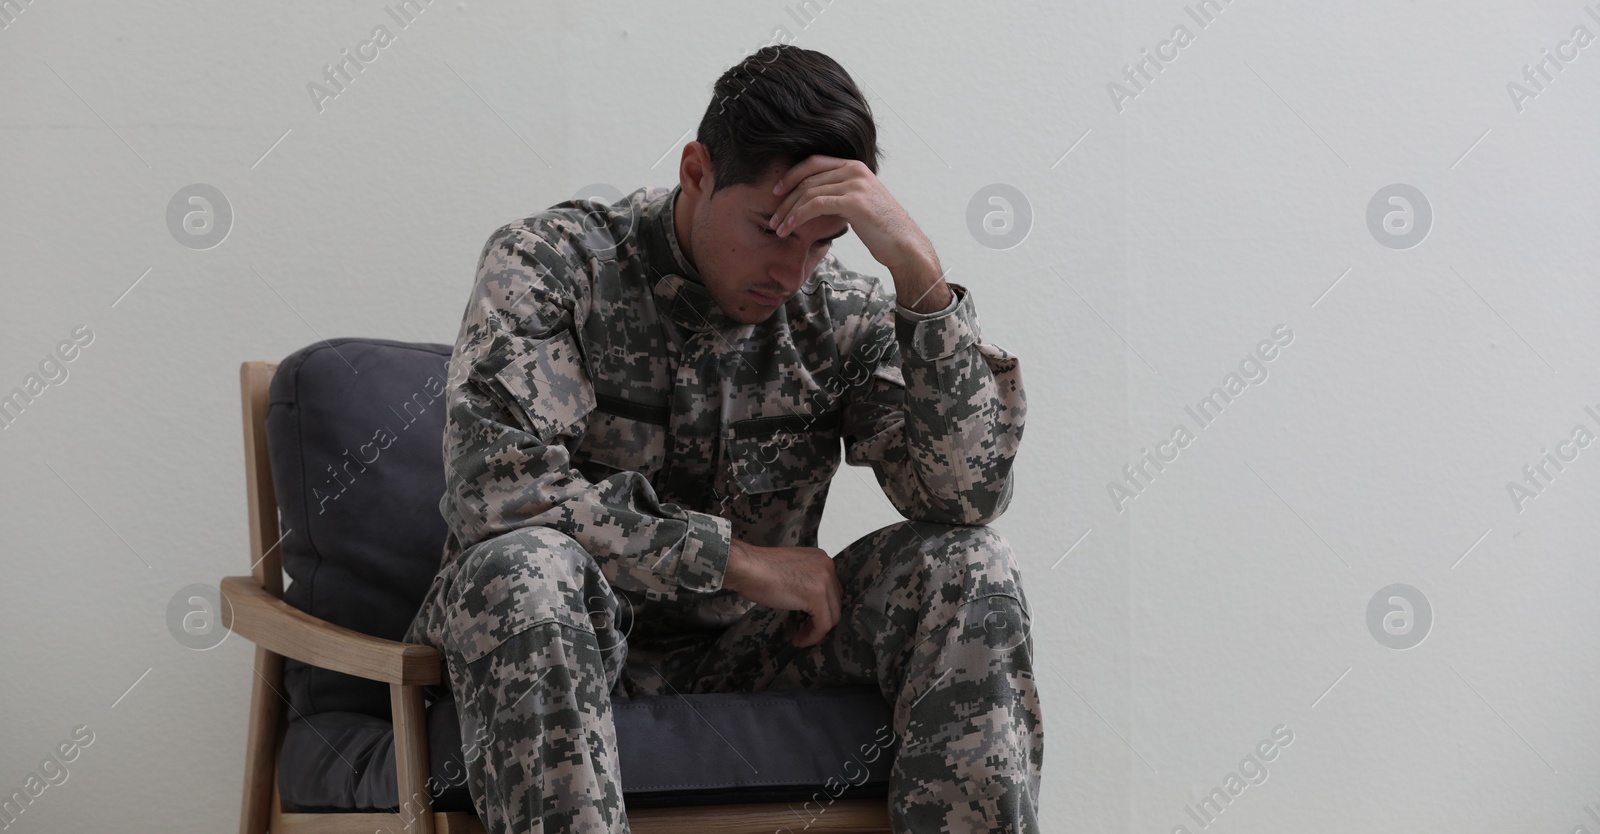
[(778, 106)]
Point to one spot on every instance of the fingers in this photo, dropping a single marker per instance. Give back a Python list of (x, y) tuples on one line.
[(824, 200), (813, 629), (834, 181), (805, 168), (820, 620), (825, 616), (808, 635), (808, 184)]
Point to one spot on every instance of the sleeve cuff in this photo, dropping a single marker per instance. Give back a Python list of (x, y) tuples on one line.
[(940, 334), (916, 316), (704, 560)]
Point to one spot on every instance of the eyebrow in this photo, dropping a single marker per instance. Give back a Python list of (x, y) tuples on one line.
[(761, 216)]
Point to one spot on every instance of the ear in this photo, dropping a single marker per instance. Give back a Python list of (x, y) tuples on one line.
[(694, 171)]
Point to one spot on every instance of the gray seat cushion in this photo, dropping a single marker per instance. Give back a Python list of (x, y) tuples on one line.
[(689, 750), (354, 436)]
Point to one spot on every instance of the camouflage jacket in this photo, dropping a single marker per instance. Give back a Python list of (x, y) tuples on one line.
[(597, 388)]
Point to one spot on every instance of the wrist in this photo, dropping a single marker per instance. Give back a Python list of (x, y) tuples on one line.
[(920, 286), (738, 559)]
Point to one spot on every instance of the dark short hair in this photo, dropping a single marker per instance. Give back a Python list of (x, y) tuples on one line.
[(782, 104)]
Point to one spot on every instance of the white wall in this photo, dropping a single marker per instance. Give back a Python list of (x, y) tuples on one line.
[(1221, 202)]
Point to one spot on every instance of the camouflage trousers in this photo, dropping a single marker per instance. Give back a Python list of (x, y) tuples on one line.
[(933, 614)]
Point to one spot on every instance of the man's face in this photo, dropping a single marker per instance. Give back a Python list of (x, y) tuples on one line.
[(748, 269)]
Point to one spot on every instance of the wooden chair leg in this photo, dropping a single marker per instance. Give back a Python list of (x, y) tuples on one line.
[(411, 758), (261, 746)]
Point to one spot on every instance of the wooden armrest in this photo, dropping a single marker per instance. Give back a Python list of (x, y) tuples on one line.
[(280, 628)]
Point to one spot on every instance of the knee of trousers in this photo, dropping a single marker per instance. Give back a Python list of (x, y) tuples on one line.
[(524, 578), (975, 555), (973, 566)]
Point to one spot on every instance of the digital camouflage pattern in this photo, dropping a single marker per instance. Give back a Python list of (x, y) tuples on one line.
[(610, 430)]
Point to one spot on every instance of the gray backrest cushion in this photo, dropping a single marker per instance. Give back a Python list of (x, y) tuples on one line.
[(354, 432)]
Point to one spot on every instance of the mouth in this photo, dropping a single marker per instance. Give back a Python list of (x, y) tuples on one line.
[(766, 299)]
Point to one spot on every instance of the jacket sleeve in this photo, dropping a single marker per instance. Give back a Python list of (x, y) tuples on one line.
[(937, 413), (518, 402)]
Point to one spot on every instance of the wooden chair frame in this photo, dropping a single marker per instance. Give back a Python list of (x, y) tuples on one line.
[(255, 610)]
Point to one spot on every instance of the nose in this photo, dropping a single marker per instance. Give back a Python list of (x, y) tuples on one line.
[(790, 270)]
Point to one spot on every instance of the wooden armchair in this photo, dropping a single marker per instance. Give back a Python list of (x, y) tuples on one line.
[(254, 608)]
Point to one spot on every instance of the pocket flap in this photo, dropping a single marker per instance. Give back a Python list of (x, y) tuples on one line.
[(546, 381)]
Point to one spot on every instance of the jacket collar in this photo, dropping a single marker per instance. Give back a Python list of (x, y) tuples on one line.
[(680, 293)]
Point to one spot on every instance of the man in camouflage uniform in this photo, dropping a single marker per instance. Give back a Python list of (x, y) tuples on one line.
[(646, 407)]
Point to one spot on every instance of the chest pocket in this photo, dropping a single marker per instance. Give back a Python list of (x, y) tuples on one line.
[(774, 453), (626, 436)]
